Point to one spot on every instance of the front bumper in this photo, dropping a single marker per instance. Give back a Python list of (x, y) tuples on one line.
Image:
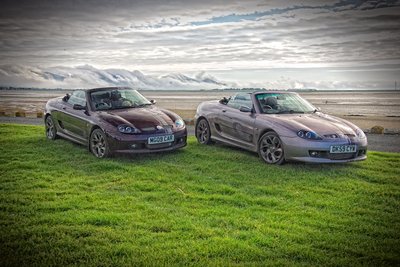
[(137, 144), (298, 149)]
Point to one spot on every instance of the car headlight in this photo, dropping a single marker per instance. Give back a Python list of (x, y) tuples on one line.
[(308, 135), (360, 134), (126, 129), (179, 123)]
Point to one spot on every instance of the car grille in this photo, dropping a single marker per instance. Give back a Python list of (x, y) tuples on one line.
[(341, 156), (153, 130), (158, 146), (334, 156)]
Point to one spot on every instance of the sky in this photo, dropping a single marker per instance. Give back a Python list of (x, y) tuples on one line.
[(344, 44)]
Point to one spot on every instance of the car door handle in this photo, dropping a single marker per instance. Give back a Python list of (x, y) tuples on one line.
[(224, 110), (64, 108)]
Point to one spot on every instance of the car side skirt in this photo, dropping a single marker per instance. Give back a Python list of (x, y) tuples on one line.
[(65, 136), (227, 142)]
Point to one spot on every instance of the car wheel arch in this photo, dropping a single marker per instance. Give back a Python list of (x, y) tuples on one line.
[(279, 137), (46, 116), (197, 122), (264, 131), (100, 140), (204, 136), (94, 127), (53, 129)]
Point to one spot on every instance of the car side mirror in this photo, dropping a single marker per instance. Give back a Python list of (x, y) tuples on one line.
[(318, 109), (245, 109), (66, 97), (79, 107), (224, 101), (153, 102)]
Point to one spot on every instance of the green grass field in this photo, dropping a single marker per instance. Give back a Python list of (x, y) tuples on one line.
[(202, 205)]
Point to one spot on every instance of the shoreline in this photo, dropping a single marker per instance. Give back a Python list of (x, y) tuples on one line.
[(365, 109)]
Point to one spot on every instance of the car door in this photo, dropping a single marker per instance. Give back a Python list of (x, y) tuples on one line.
[(243, 126), (73, 121), (225, 121), (236, 125), (56, 112)]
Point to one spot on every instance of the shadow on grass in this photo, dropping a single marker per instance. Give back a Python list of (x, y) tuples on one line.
[(191, 154), (287, 164)]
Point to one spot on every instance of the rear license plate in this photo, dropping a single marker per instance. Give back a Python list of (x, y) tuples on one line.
[(160, 139), (343, 149)]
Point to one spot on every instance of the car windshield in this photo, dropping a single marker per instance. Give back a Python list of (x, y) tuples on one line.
[(117, 99), (281, 103)]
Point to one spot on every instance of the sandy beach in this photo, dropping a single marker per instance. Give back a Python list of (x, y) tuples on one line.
[(365, 109)]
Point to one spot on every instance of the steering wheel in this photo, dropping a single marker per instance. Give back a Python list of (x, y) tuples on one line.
[(267, 107), (101, 105)]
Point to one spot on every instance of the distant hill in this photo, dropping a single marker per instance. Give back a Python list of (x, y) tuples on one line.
[(88, 77)]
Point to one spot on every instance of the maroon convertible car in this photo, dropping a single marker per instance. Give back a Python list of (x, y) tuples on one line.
[(109, 120)]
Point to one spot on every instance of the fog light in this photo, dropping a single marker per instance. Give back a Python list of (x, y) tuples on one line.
[(314, 153), (133, 146), (362, 152)]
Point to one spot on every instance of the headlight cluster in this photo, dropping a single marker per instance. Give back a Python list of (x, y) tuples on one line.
[(179, 123), (308, 135), (126, 129), (359, 133)]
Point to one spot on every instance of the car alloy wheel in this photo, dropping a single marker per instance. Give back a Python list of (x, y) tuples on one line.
[(203, 133), (98, 144), (51, 131), (270, 148)]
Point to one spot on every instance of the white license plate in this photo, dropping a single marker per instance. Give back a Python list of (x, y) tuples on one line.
[(161, 139), (343, 149)]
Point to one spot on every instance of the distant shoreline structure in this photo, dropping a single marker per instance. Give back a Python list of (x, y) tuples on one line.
[(11, 88)]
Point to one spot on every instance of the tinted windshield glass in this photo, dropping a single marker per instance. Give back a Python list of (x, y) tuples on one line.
[(117, 98), (276, 103)]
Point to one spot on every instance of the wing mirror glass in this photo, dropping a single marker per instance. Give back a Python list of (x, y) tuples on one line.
[(245, 109), (153, 101), (224, 100), (66, 97)]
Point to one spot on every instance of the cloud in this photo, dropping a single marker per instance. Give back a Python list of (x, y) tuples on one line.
[(160, 37), (87, 76)]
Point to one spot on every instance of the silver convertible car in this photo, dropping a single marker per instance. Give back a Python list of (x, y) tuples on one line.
[(280, 126)]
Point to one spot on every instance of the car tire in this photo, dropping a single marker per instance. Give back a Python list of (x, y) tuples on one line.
[(270, 148), (203, 133), (98, 144), (51, 131)]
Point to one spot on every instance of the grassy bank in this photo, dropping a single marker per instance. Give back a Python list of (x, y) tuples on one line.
[(203, 205)]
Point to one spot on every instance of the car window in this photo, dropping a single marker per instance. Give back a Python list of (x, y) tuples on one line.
[(116, 98), (77, 97), (278, 103), (240, 99)]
